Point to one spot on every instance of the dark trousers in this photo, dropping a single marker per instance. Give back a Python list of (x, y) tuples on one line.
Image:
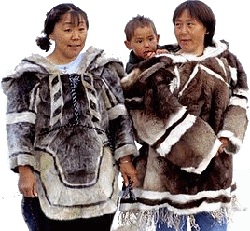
[(37, 221)]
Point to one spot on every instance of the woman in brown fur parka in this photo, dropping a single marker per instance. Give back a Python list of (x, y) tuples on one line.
[(189, 112)]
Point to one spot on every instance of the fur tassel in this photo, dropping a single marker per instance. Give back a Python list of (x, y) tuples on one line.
[(147, 220)]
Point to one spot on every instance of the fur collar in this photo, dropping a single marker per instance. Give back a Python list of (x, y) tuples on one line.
[(209, 52), (93, 60)]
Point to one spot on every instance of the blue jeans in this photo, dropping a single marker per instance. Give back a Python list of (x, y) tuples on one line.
[(204, 220), (37, 221)]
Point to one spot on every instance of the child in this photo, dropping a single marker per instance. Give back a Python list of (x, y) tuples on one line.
[(63, 113), (143, 40)]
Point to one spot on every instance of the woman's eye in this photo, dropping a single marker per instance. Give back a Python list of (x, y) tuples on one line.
[(190, 24)]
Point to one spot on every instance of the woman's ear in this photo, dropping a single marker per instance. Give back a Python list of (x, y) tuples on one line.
[(127, 44), (51, 37), (158, 37)]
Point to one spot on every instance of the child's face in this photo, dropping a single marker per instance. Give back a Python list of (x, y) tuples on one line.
[(143, 43), (69, 38)]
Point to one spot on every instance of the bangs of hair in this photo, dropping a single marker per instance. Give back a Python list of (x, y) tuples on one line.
[(76, 17), (196, 9), (138, 22)]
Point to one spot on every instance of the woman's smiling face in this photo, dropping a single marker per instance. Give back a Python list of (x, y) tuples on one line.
[(69, 38), (190, 34)]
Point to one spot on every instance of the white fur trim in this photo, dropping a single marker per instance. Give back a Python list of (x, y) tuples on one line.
[(205, 162), (175, 84), (236, 101), (13, 118), (208, 52), (241, 91), (177, 116), (222, 65), (233, 71), (116, 111), (232, 138), (210, 72), (64, 203), (196, 69), (175, 135), (149, 128), (225, 133), (180, 198), (59, 103)]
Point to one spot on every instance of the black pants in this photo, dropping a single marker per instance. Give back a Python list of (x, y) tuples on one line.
[(37, 221)]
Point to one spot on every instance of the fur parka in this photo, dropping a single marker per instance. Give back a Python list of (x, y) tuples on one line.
[(180, 107), (71, 129)]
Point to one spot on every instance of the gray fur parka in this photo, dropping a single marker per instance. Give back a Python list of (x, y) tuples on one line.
[(71, 129)]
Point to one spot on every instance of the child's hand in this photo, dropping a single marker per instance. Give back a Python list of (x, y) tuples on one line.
[(150, 54), (161, 51)]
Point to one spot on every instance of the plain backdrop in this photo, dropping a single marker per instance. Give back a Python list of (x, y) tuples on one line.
[(22, 21)]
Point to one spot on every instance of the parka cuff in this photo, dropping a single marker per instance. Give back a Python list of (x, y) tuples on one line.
[(234, 142), (126, 150), (22, 160)]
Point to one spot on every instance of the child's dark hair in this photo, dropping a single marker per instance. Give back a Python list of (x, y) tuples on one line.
[(136, 22), (202, 13), (54, 16)]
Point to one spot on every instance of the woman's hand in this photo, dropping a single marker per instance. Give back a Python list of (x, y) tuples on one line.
[(224, 145), (27, 181), (157, 52), (128, 171)]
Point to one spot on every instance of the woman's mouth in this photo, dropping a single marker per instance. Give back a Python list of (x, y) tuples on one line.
[(74, 46), (185, 41)]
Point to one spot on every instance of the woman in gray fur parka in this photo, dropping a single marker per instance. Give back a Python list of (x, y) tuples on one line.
[(67, 127)]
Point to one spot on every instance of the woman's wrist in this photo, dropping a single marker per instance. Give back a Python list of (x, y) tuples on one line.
[(25, 169), (125, 160)]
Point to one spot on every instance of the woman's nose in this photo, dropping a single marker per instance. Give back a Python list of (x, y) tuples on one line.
[(75, 35), (183, 29)]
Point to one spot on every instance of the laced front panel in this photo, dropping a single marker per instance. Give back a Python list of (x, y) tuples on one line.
[(74, 81)]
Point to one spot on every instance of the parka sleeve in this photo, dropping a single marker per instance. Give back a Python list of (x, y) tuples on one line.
[(20, 89), (235, 119), (183, 138), (120, 124)]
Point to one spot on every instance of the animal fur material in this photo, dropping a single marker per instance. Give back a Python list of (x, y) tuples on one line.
[(180, 107)]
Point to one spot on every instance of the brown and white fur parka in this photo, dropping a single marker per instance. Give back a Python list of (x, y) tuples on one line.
[(180, 107)]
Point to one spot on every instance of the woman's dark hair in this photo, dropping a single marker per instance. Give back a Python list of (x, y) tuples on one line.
[(202, 13), (54, 16)]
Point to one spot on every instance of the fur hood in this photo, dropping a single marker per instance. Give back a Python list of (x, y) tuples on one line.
[(94, 61)]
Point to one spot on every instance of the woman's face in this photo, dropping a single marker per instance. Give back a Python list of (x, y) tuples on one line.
[(190, 34), (69, 39)]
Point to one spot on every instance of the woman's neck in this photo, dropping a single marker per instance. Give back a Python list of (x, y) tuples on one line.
[(197, 54), (59, 59)]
